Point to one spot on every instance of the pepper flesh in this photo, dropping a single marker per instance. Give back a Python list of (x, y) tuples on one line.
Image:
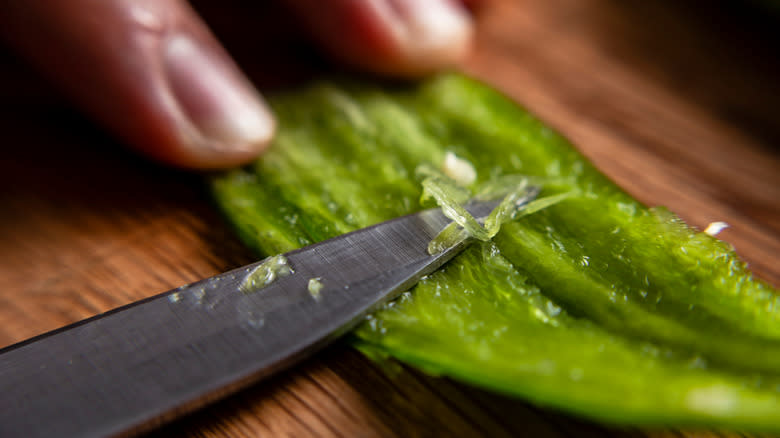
[(596, 304)]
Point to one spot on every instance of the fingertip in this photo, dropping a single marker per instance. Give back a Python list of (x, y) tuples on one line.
[(226, 122), (151, 71), (430, 35), (207, 153), (404, 38)]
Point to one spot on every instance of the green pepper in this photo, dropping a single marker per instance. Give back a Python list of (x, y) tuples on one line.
[(596, 305)]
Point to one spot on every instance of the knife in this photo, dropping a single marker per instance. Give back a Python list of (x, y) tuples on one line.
[(128, 370)]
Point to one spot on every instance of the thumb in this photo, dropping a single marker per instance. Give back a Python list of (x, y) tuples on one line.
[(151, 71)]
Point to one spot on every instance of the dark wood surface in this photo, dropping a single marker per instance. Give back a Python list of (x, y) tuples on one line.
[(678, 104)]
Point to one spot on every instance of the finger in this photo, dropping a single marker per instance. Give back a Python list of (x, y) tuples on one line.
[(396, 37), (150, 70)]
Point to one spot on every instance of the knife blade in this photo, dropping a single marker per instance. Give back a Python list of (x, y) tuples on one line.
[(128, 370)]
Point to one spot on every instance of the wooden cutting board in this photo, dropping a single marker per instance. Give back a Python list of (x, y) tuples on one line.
[(678, 104)]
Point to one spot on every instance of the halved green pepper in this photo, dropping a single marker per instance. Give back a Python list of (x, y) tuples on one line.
[(597, 305)]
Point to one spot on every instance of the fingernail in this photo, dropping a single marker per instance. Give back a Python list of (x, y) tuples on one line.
[(219, 101), (434, 27)]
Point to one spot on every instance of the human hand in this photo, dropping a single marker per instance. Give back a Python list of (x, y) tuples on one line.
[(153, 73)]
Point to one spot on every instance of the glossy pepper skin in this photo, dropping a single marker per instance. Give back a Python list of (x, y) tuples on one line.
[(596, 305)]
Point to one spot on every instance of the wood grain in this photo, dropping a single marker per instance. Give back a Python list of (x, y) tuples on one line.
[(678, 104)]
